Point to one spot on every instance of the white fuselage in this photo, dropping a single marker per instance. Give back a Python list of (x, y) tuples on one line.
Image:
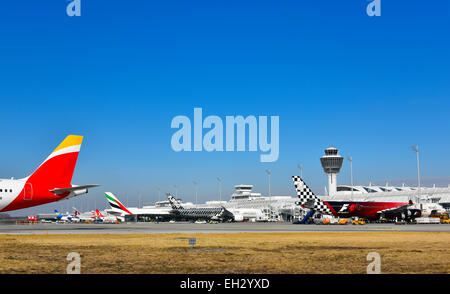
[(10, 190)]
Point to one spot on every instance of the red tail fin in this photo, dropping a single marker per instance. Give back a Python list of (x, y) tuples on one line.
[(57, 170)]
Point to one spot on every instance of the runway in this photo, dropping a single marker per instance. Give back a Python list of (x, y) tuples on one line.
[(163, 228)]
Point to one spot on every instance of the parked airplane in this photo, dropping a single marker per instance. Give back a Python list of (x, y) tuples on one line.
[(99, 217), (248, 214), (63, 218), (365, 209), (201, 213), (81, 217), (76, 213), (49, 183), (119, 210), (97, 214), (429, 209), (32, 218)]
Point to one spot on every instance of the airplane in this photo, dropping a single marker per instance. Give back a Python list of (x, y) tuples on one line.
[(366, 209), (119, 210), (76, 213), (248, 214), (32, 218), (80, 217), (99, 217), (97, 213), (63, 218), (50, 182), (202, 213), (429, 209)]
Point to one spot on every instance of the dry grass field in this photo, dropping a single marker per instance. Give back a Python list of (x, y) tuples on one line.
[(273, 253)]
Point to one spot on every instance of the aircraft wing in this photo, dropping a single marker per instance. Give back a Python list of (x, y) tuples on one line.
[(72, 189), (394, 209), (113, 212)]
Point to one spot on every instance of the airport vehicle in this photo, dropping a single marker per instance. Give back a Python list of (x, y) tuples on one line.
[(427, 220), (342, 221), (364, 209), (444, 218), (199, 213), (306, 218), (49, 183), (358, 221)]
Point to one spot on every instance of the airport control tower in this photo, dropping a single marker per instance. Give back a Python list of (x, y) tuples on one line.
[(331, 163)]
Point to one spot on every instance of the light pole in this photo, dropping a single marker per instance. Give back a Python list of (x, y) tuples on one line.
[(159, 193), (349, 158), (416, 148), (301, 170), (220, 188), (268, 173), (196, 191), (176, 191)]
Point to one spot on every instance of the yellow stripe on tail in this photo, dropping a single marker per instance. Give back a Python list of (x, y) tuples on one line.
[(71, 140)]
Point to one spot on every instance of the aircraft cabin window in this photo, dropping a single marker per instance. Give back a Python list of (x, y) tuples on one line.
[(10, 190), (1, 190)]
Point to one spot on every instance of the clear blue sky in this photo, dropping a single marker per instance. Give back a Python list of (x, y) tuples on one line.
[(119, 74)]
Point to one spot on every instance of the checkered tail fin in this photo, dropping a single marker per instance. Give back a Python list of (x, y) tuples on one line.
[(304, 193), (175, 203), (308, 199)]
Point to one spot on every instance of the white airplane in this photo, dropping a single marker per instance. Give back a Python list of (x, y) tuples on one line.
[(63, 218), (98, 216), (49, 183), (251, 214), (428, 209), (119, 210), (84, 216)]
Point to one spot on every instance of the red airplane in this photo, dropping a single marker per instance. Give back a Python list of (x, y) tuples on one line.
[(364, 209)]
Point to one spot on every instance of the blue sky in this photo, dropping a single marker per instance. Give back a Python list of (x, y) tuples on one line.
[(119, 73)]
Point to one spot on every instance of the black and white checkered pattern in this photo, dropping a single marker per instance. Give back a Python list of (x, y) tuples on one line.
[(307, 197)]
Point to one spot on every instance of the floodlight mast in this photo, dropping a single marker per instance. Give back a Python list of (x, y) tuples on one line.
[(268, 173), (416, 149), (176, 191), (301, 170), (349, 158), (196, 192), (220, 188)]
